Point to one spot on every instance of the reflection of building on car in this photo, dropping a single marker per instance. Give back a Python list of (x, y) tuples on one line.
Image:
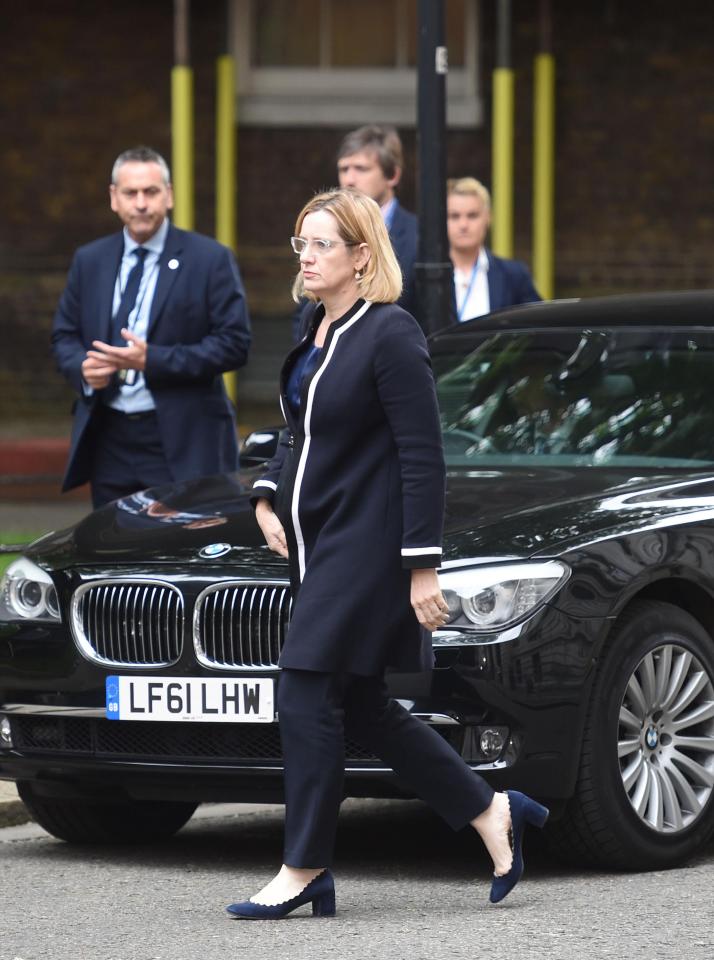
[(578, 664), (143, 506)]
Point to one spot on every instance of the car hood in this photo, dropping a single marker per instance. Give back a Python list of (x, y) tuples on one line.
[(204, 522), (495, 513), (542, 511)]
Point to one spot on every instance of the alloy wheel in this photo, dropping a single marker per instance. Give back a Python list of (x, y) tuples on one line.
[(666, 739)]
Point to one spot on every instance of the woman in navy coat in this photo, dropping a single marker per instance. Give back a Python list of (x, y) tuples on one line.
[(354, 498)]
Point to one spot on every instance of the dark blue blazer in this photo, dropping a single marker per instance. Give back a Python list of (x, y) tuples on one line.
[(358, 483), (198, 329), (403, 233), (509, 283)]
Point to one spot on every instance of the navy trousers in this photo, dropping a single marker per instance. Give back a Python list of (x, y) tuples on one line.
[(127, 455), (317, 711)]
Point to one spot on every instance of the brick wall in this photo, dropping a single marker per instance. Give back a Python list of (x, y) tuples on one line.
[(81, 81), (635, 139)]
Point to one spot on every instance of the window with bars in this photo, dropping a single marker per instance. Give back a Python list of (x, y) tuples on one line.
[(327, 62)]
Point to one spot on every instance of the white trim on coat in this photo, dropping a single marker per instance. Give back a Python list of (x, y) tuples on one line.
[(415, 551), (306, 445), (265, 483)]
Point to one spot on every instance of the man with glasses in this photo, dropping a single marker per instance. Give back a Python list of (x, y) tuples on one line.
[(150, 319)]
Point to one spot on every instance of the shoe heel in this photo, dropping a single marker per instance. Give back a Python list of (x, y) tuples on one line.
[(324, 905), (536, 814)]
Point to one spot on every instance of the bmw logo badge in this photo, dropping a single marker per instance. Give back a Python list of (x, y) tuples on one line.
[(214, 550), (651, 738)]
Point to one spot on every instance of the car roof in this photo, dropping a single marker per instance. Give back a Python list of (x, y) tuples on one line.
[(685, 308)]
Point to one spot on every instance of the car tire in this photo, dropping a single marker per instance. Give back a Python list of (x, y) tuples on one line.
[(645, 792), (82, 821)]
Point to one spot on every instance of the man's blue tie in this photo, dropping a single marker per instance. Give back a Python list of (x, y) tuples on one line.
[(128, 298)]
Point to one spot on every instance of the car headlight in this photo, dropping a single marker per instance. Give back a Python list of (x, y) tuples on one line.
[(491, 598), (27, 593)]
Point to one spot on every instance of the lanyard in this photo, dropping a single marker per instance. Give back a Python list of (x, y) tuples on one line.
[(141, 293), (129, 378), (460, 310)]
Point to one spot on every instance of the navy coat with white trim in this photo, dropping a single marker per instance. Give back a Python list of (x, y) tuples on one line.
[(358, 483)]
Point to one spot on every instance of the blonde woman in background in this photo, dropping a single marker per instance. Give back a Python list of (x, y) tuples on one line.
[(483, 282)]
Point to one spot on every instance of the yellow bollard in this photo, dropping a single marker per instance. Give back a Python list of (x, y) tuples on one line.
[(226, 231), (502, 162), (544, 175), (182, 145), (226, 226)]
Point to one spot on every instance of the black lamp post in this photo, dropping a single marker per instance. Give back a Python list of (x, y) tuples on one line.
[(434, 272)]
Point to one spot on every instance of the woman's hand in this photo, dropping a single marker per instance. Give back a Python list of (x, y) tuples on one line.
[(427, 599), (272, 528)]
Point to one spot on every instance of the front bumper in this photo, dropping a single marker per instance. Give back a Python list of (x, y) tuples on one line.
[(75, 754), (534, 687)]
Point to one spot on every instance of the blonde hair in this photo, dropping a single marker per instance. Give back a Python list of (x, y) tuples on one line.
[(469, 187), (359, 220)]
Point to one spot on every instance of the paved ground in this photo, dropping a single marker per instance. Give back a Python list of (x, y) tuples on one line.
[(12, 810), (407, 889), (20, 517)]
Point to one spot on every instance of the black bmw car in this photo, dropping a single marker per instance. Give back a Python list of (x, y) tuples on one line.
[(138, 650)]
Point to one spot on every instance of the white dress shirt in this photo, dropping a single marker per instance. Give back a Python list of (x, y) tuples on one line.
[(136, 397), (472, 297), (388, 212)]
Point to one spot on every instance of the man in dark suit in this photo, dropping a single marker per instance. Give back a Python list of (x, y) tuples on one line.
[(483, 282), (371, 160), (149, 320)]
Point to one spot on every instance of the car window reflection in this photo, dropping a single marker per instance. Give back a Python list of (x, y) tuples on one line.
[(587, 397)]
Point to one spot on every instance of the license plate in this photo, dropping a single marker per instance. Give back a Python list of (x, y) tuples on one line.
[(209, 700)]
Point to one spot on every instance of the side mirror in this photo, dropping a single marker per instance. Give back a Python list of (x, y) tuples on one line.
[(259, 446)]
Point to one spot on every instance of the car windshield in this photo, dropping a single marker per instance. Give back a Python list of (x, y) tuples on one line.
[(578, 397)]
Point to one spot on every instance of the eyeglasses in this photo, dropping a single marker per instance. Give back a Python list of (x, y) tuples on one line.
[(301, 244)]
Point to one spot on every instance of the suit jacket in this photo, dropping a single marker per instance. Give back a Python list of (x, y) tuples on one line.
[(403, 233), (198, 329), (509, 283)]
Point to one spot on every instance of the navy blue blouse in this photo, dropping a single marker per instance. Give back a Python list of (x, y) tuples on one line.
[(302, 368)]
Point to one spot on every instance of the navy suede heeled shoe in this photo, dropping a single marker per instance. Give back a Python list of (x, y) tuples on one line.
[(320, 892), (523, 810)]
